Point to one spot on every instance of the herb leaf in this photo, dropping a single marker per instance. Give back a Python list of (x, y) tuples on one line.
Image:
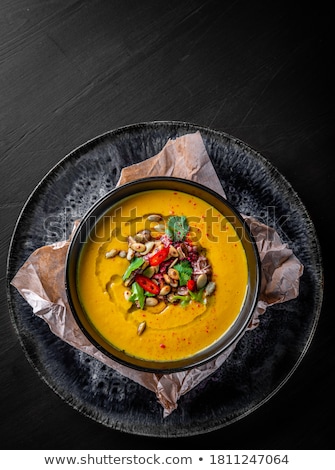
[(135, 264), (197, 296), (177, 228), (137, 294), (185, 270), (184, 299)]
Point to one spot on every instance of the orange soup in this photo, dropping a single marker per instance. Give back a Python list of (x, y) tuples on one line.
[(163, 275)]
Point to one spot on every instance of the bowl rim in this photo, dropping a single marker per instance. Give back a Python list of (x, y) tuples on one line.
[(120, 356)]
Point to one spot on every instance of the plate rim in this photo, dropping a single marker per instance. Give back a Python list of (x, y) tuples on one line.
[(195, 127)]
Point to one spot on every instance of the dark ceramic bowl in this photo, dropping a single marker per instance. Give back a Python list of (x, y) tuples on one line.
[(87, 225)]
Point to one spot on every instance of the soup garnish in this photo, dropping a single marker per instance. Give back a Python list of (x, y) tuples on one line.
[(167, 267), (162, 275)]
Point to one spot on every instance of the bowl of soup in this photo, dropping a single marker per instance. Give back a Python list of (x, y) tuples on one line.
[(162, 274)]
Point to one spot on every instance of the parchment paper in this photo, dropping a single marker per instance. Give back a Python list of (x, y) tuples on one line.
[(41, 278)]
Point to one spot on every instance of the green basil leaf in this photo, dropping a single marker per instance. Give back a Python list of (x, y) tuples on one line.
[(197, 295), (135, 264)]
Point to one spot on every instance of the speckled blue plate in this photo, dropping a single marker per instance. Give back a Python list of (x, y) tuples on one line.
[(263, 360)]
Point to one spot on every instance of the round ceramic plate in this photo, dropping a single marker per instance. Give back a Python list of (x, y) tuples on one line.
[(264, 358)]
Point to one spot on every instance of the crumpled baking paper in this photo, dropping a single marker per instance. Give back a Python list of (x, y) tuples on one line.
[(41, 278)]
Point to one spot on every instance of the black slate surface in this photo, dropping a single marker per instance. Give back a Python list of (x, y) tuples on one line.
[(259, 71)]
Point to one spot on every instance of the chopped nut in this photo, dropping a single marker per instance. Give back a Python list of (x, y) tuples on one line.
[(151, 301), (129, 281), (167, 279), (130, 254), (165, 290), (111, 253), (154, 217), (143, 236), (173, 252), (140, 247), (173, 274)]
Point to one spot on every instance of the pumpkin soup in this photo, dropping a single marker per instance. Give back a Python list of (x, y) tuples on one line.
[(163, 275)]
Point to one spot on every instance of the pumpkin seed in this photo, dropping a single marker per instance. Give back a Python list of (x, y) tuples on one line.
[(154, 217), (159, 245), (173, 274), (173, 252), (167, 279), (139, 237), (160, 228), (202, 281), (175, 261), (145, 235), (151, 301), (130, 254), (148, 247), (144, 265), (141, 328), (165, 290), (139, 247), (111, 253), (210, 288), (150, 271), (130, 280)]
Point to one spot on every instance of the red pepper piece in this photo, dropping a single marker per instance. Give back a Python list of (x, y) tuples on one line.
[(159, 257), (191, 285), (147, 284)]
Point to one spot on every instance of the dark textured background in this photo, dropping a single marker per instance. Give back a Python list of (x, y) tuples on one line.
[(71, 70)]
